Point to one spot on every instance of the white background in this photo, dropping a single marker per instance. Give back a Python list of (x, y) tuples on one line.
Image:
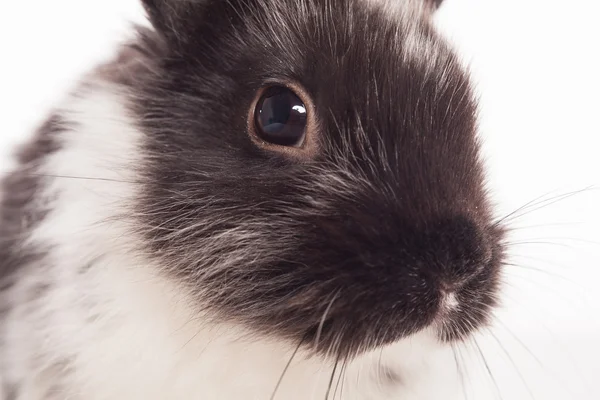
[(536, 64)]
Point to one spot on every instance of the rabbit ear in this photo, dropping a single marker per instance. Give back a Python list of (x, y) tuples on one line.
[(165, 15), (435, 4), (432, 5), (173, 18), (183, 21)]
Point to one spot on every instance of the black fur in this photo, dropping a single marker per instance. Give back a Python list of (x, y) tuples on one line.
[(355, 268)]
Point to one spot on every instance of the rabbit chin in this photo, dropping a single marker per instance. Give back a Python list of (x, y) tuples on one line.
[(98, 321)]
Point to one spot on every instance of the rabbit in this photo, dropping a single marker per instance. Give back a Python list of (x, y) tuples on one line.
[(255, 199)]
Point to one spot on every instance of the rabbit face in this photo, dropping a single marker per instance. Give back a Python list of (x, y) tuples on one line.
[(313, 171)]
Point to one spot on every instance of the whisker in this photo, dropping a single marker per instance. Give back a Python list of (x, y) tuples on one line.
[(459, 369), (535, 316), (513, 363), (340, 376), (531, 353), (324, 317), (191, 339), (532, 203), (84, 178), (536, 259), (543, 271), (538, 204), (530, 242), (536, 226), (567, 239), (542, 286), (343, 380), (286, 368), (337, 359), (488, 369)]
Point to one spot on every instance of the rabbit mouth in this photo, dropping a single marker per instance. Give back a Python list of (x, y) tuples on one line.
[(452, 313)]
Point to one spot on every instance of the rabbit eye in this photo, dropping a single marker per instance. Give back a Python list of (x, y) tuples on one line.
[(280, 117)]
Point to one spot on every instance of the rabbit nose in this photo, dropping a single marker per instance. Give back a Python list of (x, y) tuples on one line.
[(461, 250)]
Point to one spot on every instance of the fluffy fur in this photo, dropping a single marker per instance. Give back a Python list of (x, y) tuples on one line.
[(151, 250)]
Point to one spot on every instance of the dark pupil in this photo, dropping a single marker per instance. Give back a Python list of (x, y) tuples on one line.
[(280, 117)]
